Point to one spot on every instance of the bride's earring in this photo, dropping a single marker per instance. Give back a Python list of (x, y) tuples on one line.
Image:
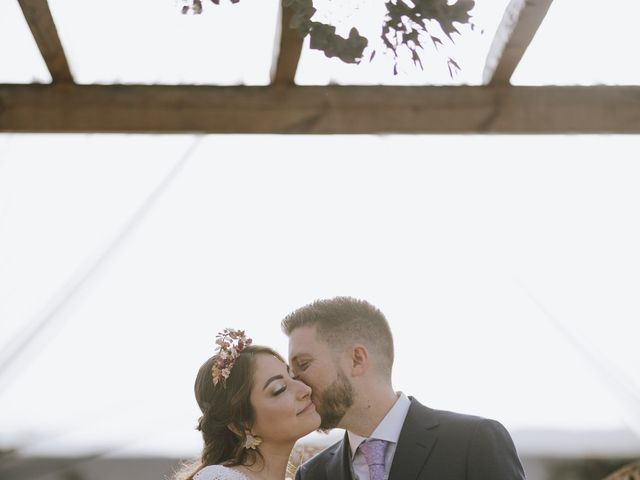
[(252, 442)]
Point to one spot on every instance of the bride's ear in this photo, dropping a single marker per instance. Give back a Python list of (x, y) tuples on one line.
[(234, 429)]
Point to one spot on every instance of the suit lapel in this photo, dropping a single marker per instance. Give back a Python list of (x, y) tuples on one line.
[(339, 464), (418, 436)]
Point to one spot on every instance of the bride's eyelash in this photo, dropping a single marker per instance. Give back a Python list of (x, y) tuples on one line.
[(279, 391)]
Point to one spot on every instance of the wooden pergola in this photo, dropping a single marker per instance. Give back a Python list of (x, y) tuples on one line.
[(283, 107)]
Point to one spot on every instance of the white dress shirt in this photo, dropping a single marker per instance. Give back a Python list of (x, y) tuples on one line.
[(389, 430)]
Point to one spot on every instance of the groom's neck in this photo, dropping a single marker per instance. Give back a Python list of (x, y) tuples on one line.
[(371, 404)]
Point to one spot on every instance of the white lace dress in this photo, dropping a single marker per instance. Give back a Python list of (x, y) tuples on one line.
[(219, 472)]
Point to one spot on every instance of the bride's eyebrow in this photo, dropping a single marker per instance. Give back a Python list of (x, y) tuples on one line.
[(275, 377)]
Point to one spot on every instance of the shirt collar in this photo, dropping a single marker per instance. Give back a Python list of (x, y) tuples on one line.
[(389, 428)]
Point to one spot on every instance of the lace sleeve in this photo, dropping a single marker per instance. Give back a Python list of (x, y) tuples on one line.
[(219, 472)]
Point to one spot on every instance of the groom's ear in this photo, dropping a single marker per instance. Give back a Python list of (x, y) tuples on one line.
[(359, 360)]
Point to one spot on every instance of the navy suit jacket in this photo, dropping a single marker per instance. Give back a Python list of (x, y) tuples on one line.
[(433, 445)]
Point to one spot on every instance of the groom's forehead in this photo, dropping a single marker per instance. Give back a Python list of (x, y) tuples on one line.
[(303, 341)]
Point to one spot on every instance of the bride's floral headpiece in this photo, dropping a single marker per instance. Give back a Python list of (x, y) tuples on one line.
[(230, 343)]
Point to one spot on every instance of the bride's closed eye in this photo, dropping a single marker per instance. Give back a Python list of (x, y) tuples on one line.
[(280, 390)]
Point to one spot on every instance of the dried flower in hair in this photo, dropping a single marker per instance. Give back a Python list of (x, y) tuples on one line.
[(230, 344)]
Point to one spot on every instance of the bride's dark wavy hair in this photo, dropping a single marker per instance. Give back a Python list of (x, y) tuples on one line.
[(223, 406)]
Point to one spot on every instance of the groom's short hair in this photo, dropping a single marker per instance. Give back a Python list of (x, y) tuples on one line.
[(342, 321)]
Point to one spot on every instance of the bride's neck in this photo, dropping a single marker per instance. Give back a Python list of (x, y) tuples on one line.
[(273, 464)]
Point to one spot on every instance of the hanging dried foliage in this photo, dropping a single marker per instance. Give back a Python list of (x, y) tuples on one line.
[(406, 22)]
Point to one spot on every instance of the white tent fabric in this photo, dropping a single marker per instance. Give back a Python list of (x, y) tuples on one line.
[(506, 265)]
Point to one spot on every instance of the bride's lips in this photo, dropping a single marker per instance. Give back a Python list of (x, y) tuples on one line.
[(307, 408)]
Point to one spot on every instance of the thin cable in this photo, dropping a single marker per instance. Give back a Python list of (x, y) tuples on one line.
[(617, 382), (45, 319)]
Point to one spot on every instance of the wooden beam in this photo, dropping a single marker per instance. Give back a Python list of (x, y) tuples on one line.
[(516, 30), (319, 110), (289, 50), (44, 31)]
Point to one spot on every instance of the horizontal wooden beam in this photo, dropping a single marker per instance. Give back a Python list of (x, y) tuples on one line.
[(319, 110), (45, 33)]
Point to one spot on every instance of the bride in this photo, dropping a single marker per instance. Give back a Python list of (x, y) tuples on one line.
[(253, 411)]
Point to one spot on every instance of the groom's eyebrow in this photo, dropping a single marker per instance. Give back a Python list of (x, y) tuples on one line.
[(296, 358), (300, 357)]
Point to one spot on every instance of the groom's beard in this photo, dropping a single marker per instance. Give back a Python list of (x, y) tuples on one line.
[(334, 402)]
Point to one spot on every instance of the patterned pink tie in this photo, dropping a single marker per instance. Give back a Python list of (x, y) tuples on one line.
[(373, 451)]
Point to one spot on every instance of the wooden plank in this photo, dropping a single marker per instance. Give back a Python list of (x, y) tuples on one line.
[(288, 55), (319, 110), (44, 31), (520, 22)]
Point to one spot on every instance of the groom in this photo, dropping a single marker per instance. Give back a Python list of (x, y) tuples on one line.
[(343, 349)]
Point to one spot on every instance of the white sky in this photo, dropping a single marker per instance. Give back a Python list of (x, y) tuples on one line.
[(20, 60), (446, 234), (584, 42)]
